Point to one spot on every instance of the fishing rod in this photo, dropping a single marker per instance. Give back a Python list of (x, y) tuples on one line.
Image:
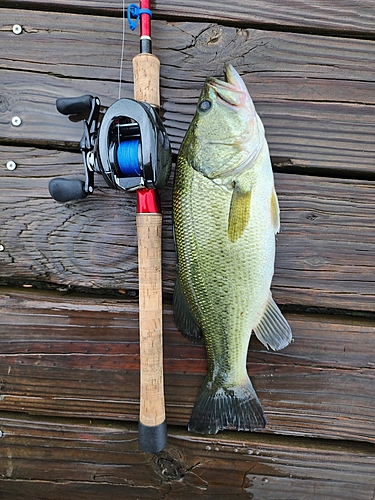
[(152, 430), (130, 148)]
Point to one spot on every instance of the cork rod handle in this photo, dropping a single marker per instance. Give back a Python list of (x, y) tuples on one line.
[(146, 69), (152, 423)]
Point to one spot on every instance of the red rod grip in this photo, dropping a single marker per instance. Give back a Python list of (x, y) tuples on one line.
[(148, 201)]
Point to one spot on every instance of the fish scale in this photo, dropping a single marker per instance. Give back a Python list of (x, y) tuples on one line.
[(225, 219), (222, 291)]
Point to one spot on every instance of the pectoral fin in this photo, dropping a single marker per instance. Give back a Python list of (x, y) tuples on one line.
[(273, 330), (239, 213), (275, 212)]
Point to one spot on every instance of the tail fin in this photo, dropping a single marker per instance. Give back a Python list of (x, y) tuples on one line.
[(218, 408)]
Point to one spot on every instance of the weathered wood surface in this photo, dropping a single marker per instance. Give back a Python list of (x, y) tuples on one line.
[(79, 356), (325, 252), (67, 360), (355, 17), (315, 94), (96, 460)]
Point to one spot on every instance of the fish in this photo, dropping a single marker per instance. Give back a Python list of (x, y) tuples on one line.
[(225, 218)]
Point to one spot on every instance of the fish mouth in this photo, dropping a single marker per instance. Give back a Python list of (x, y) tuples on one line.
[(232, 92)]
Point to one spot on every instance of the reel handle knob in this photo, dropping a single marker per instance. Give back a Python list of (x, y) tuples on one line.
[(63, 190), (74, 105)]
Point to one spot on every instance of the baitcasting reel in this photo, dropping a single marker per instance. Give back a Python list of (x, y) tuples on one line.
[(129, 147)]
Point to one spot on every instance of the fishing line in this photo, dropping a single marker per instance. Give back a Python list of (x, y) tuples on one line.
[(128, 151), (127, 158), (122, 47), (120, 155)]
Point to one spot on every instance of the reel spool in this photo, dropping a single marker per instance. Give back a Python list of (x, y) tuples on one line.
[(129, 148)]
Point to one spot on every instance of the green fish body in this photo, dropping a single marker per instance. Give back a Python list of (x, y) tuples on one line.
[(226, 214)]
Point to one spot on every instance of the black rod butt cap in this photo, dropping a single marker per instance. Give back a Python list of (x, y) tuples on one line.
[(152, 439)]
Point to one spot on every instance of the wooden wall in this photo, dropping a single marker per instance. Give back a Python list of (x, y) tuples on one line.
[(69, 360)]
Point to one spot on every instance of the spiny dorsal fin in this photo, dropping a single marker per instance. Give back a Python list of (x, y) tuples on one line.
[(239, 213), (275, 212), (273, 329)]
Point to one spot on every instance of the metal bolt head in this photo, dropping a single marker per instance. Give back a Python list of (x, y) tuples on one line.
[(2, 248), (17, 29), (11, 165), (16, 121)]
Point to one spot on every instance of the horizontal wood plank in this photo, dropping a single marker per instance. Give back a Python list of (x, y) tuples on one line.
[(78, 356), (47, 460), (355, 17), (69, 362), (314, 94), (97, 460), (324, 252)]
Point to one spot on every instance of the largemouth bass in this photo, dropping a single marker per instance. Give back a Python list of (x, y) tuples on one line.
[(226, 215)]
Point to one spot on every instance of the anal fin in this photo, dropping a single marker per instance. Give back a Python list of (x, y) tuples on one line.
[(273, 330), (183, 317)]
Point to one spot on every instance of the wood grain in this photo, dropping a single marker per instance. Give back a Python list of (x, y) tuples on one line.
[(325, 252), (315, 94), (48, 459), (78, 356), (355, 17), (69, 362)]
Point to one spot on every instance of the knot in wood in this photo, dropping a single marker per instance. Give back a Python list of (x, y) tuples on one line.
[(212, 36), (3, 104), (167, 466)]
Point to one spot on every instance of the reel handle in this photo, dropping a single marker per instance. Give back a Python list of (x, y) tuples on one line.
[(63, 190), (74, 105)]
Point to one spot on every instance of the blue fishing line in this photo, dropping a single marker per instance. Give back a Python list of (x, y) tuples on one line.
[(134, 13), (127, 158)]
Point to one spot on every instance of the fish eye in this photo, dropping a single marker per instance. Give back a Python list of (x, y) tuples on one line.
[(204, 105)]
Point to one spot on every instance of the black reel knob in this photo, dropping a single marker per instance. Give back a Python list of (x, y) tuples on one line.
[(74, 105), (64, 190)]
